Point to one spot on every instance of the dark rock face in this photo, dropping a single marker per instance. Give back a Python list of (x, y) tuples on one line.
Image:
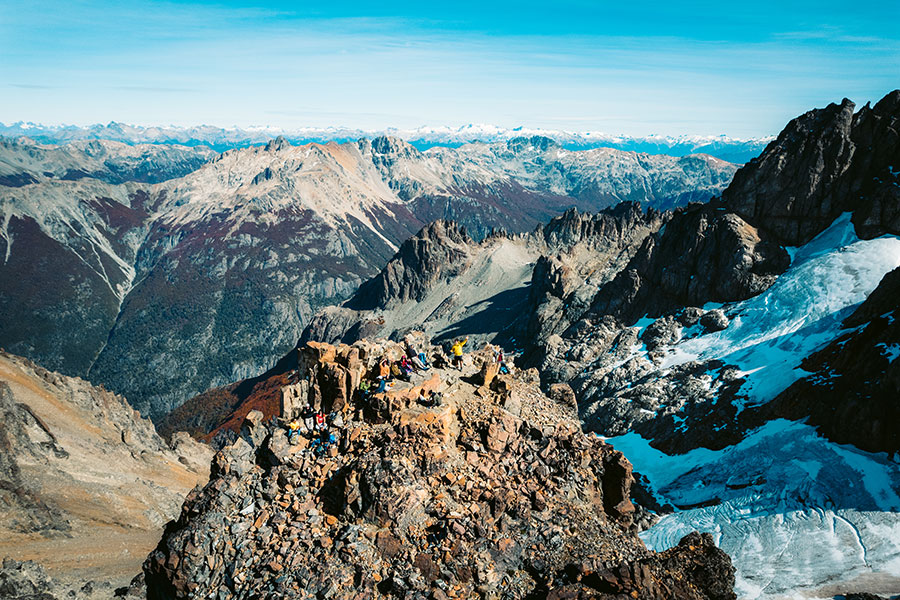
[(704, 254), (438, 251), (788, 188), (852, 395), (583, 252), (464, 499), (824, 163)]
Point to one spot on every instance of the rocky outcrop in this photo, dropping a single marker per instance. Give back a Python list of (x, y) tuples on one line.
[(461, 499), (704, 254), (583, 252), (825, 162), (851, 394), (439, 251), (338, 324), (85, 483)]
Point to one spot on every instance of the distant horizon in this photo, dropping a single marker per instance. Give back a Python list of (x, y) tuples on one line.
[(349, 128), (671, 69)]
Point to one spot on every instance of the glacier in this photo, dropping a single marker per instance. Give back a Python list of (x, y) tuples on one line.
[(801, 516)]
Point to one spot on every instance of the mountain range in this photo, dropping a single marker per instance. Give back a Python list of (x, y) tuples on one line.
[(221, 138), (162, 270)]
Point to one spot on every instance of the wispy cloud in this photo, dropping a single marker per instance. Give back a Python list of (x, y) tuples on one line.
[(31, 86), (155, 89)]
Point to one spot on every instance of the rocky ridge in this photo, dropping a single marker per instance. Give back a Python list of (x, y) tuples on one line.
[(439, 251), (24, 161), (618, 355), (502, 289), (493, 493)]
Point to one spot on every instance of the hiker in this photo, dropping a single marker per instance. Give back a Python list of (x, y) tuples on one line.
[(384, 368), (309, 418), (418, 359), (322, 441), (406, 367), (503, 368), (365, 388), (293, 431), (433, 399), (328, 438), (397, 373), (437, 534), (457, 350), (382, 384), (320, 420)]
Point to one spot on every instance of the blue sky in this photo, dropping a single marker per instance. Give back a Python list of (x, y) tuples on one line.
[(741, 69)]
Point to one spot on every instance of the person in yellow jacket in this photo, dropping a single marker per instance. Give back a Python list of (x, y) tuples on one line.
[(293, 431), (457, 350)]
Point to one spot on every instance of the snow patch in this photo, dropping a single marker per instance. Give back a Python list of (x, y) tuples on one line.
[(890, 351), (770, 334)]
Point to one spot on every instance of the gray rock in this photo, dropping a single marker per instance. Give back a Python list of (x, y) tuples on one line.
[(714, 320)]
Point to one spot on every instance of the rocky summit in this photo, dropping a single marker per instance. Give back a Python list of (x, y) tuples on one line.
[(487, 490)]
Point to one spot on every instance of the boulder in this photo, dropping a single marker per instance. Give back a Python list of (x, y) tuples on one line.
[(714, 320), (562, 393), (489, 369)]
